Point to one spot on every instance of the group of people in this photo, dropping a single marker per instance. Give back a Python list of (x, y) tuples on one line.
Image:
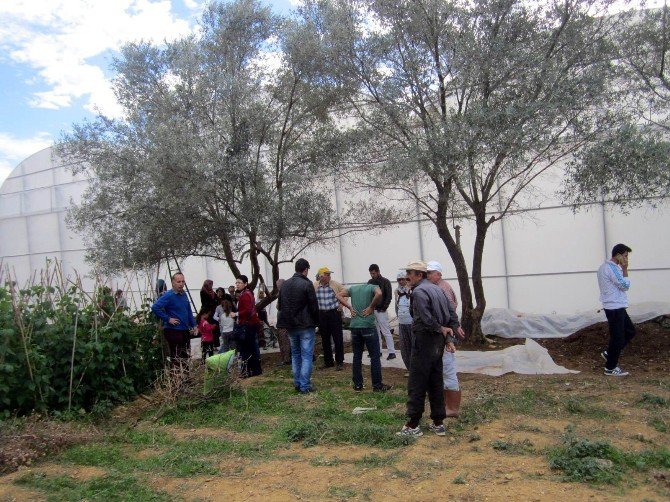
[(228, 320), (429, 328)]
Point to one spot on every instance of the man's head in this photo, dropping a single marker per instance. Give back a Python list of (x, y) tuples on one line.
[(434, 271), (302, 266), (620, 253), (178, 282), (324, 275), (416, 272), (374, 271)]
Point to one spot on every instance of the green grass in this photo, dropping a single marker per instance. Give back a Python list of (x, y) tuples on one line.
[(513, 447), (651, 401), (599, 462), (374, 460), (109, 488)]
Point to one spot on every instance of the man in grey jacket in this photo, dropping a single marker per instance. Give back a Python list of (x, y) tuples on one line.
[(432, 327)]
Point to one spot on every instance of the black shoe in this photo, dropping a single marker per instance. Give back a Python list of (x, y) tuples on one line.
[(383, 388), (308, 391), (339, 367), (297, 388), (328, 365), (358, 388), (390, 356)]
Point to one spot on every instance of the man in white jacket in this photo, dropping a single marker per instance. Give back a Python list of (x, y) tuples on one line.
[(613, 282)]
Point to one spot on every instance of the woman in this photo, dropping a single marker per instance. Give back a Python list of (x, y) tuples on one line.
[(208, 296), (247, 328)]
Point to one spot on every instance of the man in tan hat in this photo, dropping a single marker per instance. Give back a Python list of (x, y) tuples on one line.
[(330, 318), (432, 328)]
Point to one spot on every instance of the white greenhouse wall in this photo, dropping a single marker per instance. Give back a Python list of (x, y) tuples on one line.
[(540, 260)]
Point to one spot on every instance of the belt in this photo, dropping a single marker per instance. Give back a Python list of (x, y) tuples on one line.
[(328, 310)]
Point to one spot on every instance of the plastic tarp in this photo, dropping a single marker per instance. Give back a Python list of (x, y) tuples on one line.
[(527, 359), (512, 324)]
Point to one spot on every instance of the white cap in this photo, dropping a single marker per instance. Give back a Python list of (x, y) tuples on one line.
[(434, 266), (401, 275)]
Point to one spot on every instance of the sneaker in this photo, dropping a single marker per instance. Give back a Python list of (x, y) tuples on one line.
[(437, 429), (618, 372), (327, 365), (390, 356), (603, 354), (383, 388), (308, 391), (358, 388), (339, 367), (409, 432)]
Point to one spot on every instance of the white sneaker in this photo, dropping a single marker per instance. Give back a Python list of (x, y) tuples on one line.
[(408, 431), (618, 372)]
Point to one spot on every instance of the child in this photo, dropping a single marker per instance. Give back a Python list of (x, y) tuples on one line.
[(226, 318), (206, 331)]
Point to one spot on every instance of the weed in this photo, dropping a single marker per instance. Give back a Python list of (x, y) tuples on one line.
[(659, 423), (514, 448), (459, 480), (651, 401), (113, 487), (581, 406), (526, 428), (325, 462), (375, 460), (342, 492), (599, 462)]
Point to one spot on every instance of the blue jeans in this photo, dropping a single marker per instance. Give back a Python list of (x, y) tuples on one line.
[(369, 338), (302, 349)]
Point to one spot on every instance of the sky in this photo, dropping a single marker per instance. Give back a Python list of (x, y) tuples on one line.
[(55, 57)]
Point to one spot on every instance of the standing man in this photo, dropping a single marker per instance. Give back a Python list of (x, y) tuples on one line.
[(364, 299), (613, 282), (432, 327), (452, 389), (330, 319), (174, 309), (402, 308), (299, 314), (381, 316)]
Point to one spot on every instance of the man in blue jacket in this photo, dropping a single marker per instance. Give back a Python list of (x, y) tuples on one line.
[(174, 309)]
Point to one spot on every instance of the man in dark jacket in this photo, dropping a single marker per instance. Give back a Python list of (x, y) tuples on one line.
[(433, 326), (299, 315), (381, 314)]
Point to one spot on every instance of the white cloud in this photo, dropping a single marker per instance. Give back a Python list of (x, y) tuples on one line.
[(13, 150), (58, 37)]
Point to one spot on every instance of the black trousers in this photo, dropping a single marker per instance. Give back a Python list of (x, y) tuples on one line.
[(425, 377), (179, 342), (330, 327), (622, 331)]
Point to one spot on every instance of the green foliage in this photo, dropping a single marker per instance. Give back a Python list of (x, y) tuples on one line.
[(650, 401), (63, 350), (513, 447), (599, 462), (110, 488)]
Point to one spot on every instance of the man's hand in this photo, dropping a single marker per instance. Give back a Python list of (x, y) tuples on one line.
[(460, 333), (173, 321), (447, 331), (368, 311), (450, 347)]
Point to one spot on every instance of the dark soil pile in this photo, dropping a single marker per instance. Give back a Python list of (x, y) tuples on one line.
[(648, 352)]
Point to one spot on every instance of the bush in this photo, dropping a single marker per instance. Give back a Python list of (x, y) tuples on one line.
[(61, 349)]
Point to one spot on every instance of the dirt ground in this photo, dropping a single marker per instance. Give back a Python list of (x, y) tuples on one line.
[(464, 465)]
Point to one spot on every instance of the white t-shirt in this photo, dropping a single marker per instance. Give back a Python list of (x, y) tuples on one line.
[(226, 323)]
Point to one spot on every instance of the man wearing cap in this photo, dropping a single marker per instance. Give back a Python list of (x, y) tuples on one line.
[(452, 389), (330, 318), (432, 328), (402, 306), (381, 314)]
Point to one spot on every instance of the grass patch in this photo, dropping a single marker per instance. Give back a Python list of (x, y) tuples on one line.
[(110, 488), (659, 423), (583, 406), (514, 447), (650, 401), (348, 492), (375, 460), (325, 462), (599, 462)]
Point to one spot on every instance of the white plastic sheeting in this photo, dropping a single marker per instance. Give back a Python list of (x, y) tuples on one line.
[(527, 359), (512, 324)]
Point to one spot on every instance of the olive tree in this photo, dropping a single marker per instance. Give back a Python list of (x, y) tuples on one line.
[(467, 103), (225, 136)]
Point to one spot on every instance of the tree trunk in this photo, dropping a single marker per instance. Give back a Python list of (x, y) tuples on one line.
[(477, 283), (470, 316)]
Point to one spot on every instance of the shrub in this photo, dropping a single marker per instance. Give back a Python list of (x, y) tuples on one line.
[(61, 349)]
